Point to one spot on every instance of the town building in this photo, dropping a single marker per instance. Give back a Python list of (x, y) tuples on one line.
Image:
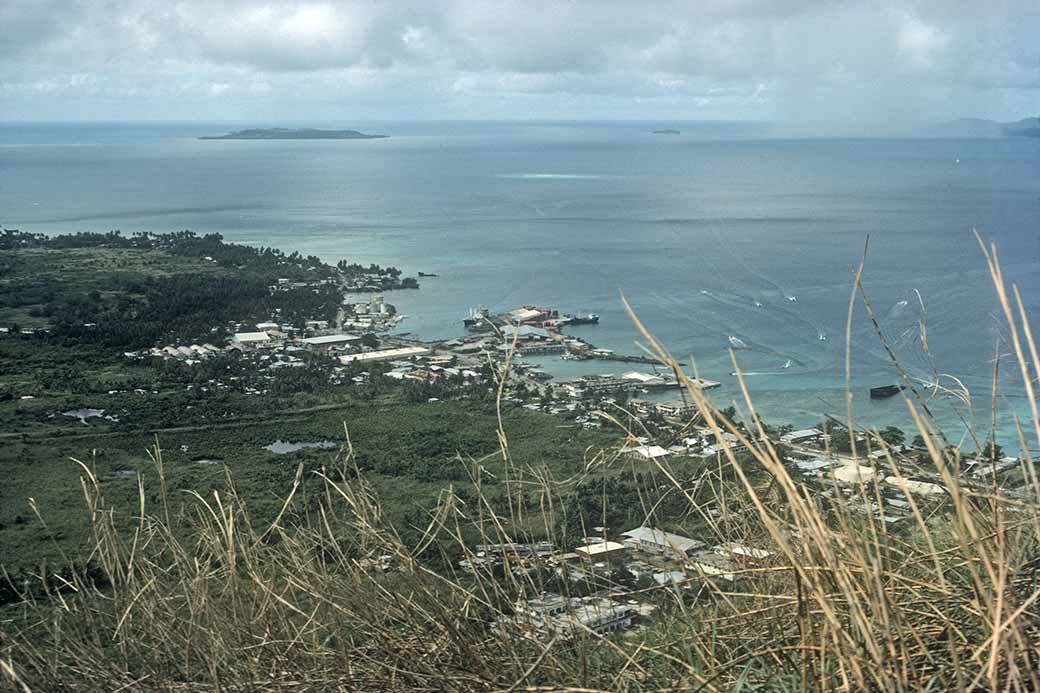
[(251, 338), (806, 436), (538, 548), (384, 355), (553, 614), (676, 409), (656, 541), (716, 567), (329, 341), (647, 453), (601, 551)]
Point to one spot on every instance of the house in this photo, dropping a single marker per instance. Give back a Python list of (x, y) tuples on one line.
[(806, 436), (716, 567), (470, 348), (1003, 464), (557, 615), (815, 465), (742, 553), (601, 551), (879, 455), (265, 326), (656, 541), (669, 577), (251, 338), (601, 616), (648, 452), (676, 409)]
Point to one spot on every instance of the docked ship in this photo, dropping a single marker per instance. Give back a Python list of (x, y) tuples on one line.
[(477, 317), (584, 319), (886, 391)]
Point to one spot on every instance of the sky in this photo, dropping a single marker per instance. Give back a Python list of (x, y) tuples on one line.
[(875, 63)]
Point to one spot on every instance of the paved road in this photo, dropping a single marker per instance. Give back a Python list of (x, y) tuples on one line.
[(68, 433)]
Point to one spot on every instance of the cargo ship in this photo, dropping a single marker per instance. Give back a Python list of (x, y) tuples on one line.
[(886, 391), (585, 319)]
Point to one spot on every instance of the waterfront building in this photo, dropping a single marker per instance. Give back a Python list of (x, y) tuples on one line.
[(330, 340)]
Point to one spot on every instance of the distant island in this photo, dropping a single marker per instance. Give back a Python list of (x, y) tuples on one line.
[(665, 132), (980, 127), (294, 134)]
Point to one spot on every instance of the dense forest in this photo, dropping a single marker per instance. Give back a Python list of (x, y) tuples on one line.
[(221, 285)]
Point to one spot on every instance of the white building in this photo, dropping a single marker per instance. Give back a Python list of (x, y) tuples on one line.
[(251, 338), (648, 452), (921, 488), (802, 437), (557, 615), (677, 409), (384, 355), (601, 551), (656, 541)]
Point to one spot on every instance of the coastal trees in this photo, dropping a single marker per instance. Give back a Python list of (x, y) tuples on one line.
[(893, 436)]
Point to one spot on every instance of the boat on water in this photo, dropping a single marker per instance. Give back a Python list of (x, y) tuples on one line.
[(581, 319), (758, 304), (477, 316), (792, 299), (886, 391), (737, 343), (822, 337), (787, 364)]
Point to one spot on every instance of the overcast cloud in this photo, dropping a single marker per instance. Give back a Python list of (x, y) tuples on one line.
[(369, 59)]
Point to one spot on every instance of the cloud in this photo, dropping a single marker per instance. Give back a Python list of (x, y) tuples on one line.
[(714, 58)]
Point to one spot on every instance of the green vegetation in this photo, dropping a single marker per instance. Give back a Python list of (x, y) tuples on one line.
[(410, 451), (131, 292)]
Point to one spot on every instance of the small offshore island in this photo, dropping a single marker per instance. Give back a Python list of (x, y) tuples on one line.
[(294, 134)]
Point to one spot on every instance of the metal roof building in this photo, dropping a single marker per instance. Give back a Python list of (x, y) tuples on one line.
[(658, 541)]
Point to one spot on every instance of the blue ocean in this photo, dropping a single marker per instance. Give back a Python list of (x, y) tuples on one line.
[(719, 231)]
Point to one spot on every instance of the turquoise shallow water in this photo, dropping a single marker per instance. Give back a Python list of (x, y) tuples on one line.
[(695, 229)]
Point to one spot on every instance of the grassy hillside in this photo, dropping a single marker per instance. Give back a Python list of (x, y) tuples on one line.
[(339, 569)]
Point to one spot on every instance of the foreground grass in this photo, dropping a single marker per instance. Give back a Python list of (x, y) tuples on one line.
[(201, 594)]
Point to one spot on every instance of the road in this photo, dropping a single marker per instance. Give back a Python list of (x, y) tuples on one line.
[(70, 433)]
